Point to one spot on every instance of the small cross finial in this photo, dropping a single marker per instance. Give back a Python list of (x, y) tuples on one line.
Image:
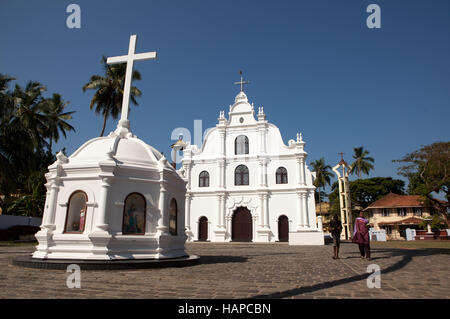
[(342, 155), (241, 82)]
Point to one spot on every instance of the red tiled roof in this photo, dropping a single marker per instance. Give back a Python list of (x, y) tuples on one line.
[(406, 221), (392, 200)]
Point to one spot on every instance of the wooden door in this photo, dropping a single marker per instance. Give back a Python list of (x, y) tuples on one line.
[(242, 228), (203, 229), (283, 228)]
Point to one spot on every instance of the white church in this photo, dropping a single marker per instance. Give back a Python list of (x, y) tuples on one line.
[(245, 184)]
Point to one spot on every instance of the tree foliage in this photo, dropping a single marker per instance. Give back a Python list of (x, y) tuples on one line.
[(364, 192), (28, 124), (323, 176), (362, 163), (428, 171)]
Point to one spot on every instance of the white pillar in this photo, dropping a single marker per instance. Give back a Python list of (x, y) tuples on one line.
[(187, 204), (51, 211), (320, 223), (265, 172), (261, 209), (222, 142), (220, 220), (305, 209), (162, 227), (101, 221), (187, 168), (221, 173), (266, 211), (302, 171), (299, 211)]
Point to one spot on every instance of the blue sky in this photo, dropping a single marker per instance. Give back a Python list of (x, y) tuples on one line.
[(314, 66)]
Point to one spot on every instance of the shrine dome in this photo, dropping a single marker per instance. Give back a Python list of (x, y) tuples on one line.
[(126, 150)]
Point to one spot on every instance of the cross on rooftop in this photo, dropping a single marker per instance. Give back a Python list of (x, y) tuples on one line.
[(129, 60), (241, 82)]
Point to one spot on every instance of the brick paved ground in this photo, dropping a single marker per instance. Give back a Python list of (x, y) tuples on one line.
[(246, 270)]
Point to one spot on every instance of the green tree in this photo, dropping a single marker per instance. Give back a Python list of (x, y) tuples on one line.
[(364, 192), (429, 171), (108, 96), (24, 152), (362, 163), (56, 118), (323, 176), (27, 115)]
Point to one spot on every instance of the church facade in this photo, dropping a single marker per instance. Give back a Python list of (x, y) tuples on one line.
[(245, 184)]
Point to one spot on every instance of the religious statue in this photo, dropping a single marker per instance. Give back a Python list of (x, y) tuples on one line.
[(82, 219)]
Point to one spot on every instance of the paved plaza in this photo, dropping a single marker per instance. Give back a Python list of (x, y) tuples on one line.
[(238, 270)]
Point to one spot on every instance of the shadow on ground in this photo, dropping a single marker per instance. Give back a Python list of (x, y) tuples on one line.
[(407, 256), (205, 259)]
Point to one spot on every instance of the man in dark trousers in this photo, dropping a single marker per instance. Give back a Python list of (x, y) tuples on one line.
[(335, 229)]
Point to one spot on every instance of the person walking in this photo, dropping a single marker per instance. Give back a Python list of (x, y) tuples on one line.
[(361, 236), (335, 228)]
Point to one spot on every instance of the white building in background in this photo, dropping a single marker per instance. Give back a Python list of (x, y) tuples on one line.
[(245, 184)]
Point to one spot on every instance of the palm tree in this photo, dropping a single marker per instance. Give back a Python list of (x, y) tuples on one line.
[(28, 105), (56, 119), (362, 163), (323, 176), (109, 94)]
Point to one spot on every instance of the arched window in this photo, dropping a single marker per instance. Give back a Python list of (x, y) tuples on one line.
[(241, 175), (76, 213), (281, 175), (134, 215), (241, 145), (203, 179), (173, 215)]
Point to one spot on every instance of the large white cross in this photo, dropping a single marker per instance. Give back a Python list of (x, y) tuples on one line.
[(129, 60)]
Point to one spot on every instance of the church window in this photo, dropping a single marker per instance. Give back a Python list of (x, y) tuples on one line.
[(203, 179), (281, 176), (241, 145), (173, 215), (76, 213), (241, 175), (134, 215)]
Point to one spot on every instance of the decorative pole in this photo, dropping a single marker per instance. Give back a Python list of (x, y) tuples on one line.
[(344, 197)]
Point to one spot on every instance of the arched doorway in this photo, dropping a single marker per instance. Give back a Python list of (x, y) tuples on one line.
[(283, 228), (203, 229), (241, 228)]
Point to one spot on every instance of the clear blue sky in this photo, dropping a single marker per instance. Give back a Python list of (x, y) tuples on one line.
[(314, 66)]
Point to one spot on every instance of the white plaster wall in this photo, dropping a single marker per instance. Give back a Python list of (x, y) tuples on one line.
[(282, 204)]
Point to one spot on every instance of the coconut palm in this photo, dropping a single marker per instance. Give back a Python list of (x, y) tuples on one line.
[(108, 97), (323, 175), (362, 163), (27, 116), (56, 118)]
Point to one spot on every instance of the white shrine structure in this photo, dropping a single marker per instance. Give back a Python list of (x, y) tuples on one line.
[(114, 198), (245, 184)]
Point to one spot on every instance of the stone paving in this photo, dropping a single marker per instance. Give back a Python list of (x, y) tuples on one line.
[(238, 270)]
